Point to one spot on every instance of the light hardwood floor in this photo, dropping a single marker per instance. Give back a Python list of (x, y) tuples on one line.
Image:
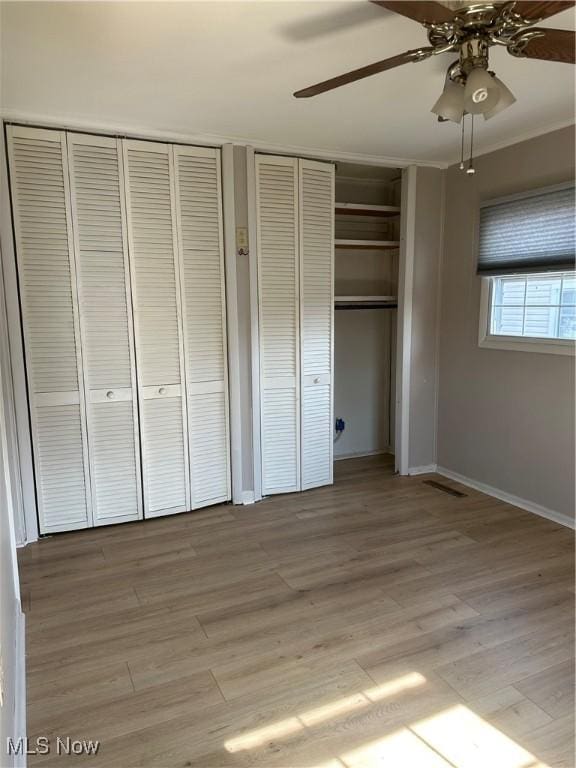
[(378, 622)]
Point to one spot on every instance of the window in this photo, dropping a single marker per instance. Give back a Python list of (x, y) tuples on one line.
[(536, 306), (531, 313), (526, 260)]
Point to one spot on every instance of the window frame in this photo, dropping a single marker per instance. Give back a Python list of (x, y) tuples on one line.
[(488, 340)]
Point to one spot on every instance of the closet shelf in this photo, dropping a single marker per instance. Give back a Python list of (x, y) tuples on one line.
[(364, 209), (365, 302), (379, 245)]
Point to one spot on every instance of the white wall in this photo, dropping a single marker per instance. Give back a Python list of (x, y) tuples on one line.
[(506, 418), (11, 619), (11, 347)]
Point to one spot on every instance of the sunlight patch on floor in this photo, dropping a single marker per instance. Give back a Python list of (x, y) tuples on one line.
[(453, 738), (321, 714), (398, 750), (468, 741)]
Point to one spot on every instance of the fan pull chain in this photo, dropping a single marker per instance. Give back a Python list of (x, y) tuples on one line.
[(462, 144), (471, 170)]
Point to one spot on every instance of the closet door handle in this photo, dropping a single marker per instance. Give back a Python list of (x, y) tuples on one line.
[(162, 391), (110, 395), (317, 380)]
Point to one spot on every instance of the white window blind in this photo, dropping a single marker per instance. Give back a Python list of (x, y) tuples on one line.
[(530, 233)]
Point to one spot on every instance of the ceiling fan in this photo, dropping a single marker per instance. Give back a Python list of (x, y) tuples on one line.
[(470, 29)]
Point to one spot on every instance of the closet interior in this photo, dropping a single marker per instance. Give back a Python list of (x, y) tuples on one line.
[(367, 234)]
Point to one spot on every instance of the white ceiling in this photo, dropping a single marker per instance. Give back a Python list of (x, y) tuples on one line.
[(228, 69)]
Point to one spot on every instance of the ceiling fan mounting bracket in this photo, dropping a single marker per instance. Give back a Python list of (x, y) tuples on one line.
[(514, 18), (518, 44), (425, 53), (471, 31), (474, 29)]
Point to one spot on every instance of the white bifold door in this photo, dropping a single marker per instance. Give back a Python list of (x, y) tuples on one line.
[(176, 253), (199, 215), (67, 196), (157, 317), (295, 231), (121, 278), (40, 192), (99, 227)]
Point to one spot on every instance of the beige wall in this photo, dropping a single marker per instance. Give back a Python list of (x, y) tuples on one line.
[(362, 340), (424, 318), (505, 418)]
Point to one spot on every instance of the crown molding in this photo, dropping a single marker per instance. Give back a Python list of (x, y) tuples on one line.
[(206, 139), (518, 139), (217, 140)]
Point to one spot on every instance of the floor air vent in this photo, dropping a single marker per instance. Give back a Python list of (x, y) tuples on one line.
[(444, 488)]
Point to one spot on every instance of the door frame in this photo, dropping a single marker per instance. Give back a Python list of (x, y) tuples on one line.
[(404, 320)]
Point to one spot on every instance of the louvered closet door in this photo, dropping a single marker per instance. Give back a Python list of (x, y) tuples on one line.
[(278, 287), (41, 204), (316, 187), (149, 173), (99, 224), (199, 211)]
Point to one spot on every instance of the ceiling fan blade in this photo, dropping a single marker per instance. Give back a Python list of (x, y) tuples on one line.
[(534, 10), (420, 10), (553, 45), (362, 72), (330, 21)]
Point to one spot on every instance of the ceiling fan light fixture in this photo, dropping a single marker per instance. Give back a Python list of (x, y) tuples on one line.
[(506, 99), (450, 105), (481, 93)]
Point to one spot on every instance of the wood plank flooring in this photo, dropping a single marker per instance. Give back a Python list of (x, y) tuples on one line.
[(378, 622)]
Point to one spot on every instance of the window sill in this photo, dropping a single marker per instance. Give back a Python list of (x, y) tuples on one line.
[(526, 344)]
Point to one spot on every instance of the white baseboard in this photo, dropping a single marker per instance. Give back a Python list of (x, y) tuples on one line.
[(361, 454), (20, 692), (245, 497), (529, 506), (425, 470)]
